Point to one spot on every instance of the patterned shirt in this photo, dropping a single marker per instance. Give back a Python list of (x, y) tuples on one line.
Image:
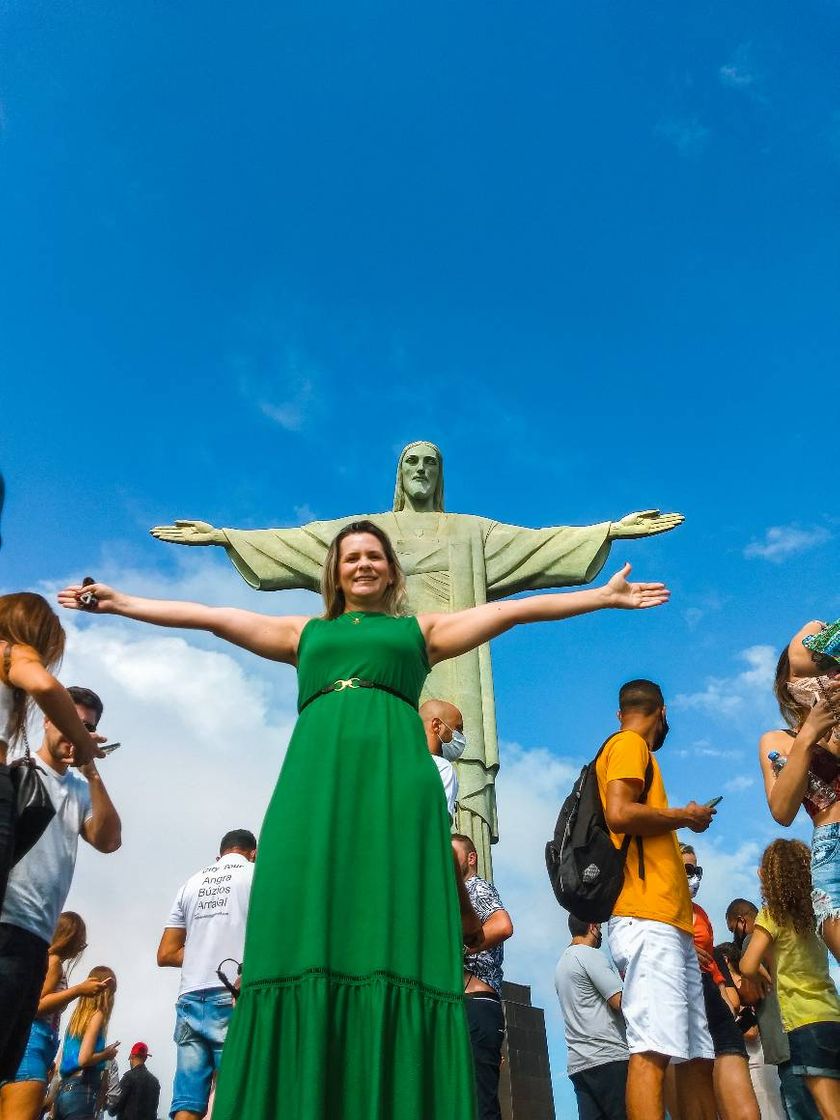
[(486, 965)]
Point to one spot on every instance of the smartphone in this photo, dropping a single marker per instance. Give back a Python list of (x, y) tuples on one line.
[(109, 748), (711, 804)]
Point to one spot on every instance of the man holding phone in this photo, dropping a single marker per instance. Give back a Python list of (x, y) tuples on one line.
[(40, 882), (651, 930)]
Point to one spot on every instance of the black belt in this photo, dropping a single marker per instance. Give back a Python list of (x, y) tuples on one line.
[(355, 682)]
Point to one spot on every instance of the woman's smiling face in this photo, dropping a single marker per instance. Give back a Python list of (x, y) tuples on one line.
[(364, 573)]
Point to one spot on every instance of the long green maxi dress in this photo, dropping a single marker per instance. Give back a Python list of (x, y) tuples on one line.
[(351, 1005)]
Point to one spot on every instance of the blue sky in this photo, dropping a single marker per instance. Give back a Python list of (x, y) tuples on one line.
[(251, 251)]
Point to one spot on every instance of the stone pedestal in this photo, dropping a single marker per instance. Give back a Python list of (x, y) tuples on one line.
[(525, 1084)]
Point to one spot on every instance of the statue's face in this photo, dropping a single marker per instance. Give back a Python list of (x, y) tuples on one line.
[(420, 470)]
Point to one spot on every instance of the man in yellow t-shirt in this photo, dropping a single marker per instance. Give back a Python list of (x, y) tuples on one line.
[(651, 930)]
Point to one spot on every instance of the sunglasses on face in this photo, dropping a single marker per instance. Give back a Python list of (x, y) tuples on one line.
[(693, 871)]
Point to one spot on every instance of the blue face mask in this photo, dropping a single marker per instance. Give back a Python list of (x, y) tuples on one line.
[(456, 745)]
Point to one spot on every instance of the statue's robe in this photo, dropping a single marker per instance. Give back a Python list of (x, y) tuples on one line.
[(451, 561)]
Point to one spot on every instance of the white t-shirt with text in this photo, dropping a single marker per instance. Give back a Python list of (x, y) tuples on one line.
[(39, 883), (212, 906)]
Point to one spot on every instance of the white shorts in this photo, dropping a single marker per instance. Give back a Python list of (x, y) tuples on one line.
[(662, 1001)]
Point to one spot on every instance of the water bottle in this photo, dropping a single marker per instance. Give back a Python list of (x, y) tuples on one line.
[(820, 792), (777, 761)]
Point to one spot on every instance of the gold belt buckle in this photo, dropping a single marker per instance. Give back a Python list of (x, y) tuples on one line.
[(352, 682)]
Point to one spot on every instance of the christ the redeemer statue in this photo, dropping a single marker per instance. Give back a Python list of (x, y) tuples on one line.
[(451, 561)]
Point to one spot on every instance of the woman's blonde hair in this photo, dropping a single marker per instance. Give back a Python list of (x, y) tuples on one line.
[(70, 936), (786, 884), (87, 1006), (28, 619), (395, 599)]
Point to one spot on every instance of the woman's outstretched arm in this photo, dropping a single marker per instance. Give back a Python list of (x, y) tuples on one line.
[(274, 638), (448, 635)]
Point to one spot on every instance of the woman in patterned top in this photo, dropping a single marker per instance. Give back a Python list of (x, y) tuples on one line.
[(801, 766)]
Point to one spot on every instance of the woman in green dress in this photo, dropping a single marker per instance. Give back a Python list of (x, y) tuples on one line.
[(351, 1004)]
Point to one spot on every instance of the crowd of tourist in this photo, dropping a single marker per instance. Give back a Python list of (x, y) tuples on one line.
[(296, 1002), (746, 1029)]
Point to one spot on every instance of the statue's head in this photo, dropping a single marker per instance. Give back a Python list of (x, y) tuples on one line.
[(419, 477)]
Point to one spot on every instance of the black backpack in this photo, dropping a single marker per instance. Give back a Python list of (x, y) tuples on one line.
[(585, 867)]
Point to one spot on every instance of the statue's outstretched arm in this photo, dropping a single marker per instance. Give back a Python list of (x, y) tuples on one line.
[(645, 524), (267, 559), (189, 532)]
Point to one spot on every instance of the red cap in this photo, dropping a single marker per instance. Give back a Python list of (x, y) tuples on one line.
[(139, 1050)]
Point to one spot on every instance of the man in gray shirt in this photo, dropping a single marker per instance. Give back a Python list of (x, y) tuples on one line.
[(589, 991)]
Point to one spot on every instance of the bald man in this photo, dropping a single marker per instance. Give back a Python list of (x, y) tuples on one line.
[(444, 727)]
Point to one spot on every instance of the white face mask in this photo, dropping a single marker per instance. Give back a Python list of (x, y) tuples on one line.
[(456, 745), (693, 887)]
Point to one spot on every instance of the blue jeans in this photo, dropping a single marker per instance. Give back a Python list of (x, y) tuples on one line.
[(76, 1098), (201, 1023), (796, 1096), (825, 871)]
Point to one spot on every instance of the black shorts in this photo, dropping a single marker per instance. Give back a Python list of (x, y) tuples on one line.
[(725, 1032), (600, 1091), (23, 966)]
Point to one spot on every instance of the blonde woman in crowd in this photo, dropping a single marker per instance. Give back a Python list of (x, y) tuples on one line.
[(86, 1053)]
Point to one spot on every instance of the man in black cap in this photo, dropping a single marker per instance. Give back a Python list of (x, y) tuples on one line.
[(139, 1092)]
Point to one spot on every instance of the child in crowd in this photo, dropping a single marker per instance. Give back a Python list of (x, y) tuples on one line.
[(85, 1056), (785, 933)]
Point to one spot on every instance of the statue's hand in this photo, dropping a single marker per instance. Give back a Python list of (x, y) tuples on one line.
[(644, 524), (188, 532)]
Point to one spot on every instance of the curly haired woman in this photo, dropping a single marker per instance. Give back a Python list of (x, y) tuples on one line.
[(785, 933)]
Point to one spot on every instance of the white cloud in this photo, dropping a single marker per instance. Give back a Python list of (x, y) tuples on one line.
[(532, 785), (783, 541), (686, 134), (292, 413), (739, 783), (702, 748), (726, 696), (305, 513), (740, 72)]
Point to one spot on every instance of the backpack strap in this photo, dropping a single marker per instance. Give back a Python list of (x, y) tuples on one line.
[(626, 842), (645, 791)]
